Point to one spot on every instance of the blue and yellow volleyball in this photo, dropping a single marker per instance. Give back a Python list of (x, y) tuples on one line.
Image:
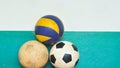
[(49, 29)]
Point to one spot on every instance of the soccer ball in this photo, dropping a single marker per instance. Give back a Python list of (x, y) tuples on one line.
[(64, 55)]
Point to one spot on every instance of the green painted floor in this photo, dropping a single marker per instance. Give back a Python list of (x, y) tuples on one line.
[(97, 49)]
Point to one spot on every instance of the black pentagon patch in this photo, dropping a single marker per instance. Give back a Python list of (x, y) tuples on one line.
[(52, 58), (60, 45), (67, 58), (75, 48), (76, 62)]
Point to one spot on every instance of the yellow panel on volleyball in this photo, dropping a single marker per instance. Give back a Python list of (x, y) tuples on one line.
[(42, 38), (48, 23)]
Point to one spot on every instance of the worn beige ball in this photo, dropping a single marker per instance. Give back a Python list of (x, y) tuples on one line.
[(33, 54)]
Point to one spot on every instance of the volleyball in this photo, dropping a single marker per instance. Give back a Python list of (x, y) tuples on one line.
[(49, 29)]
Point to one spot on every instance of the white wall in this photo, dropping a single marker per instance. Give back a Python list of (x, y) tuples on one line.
[(77, 15)]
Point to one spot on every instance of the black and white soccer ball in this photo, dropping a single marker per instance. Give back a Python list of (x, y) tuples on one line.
[(64, 55)]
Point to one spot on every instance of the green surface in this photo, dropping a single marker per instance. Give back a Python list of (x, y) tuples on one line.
[(97, 49)]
